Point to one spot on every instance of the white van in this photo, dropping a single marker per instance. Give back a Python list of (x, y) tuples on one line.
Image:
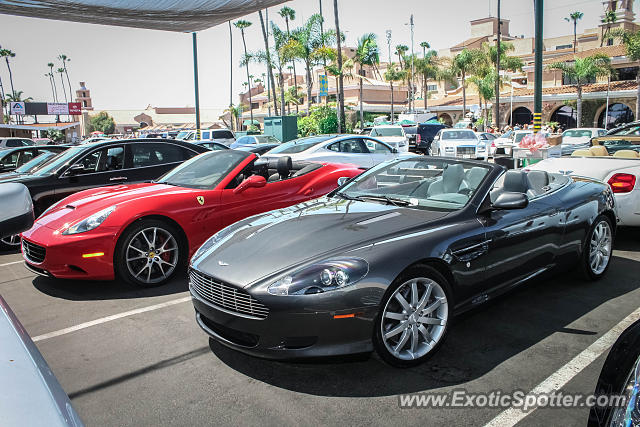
[(223, 136)]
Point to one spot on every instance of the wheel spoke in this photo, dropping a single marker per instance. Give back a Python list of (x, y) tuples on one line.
[(149, 274), (425, 298), (161, 261), (403, 340), (414, 293), (155, 233), (162, 270), (432, 307), (136, 258), (145, 237), (431, 321), (394, 316), (136, 249), (403, 302), (395, 331), (414, 339), (143, 268)]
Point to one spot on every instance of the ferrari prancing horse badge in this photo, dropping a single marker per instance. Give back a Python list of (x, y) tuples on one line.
[(200, 200)]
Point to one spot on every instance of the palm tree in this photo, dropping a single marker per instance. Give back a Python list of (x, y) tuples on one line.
[(289, 15), (242, 25), (575, 16), (268, 57), (64, 60), (61, 72), (609, 19), (461, 65), (428, 67), (366, 54), (53, 80), (507, 62), (581, 71), (425, 46), (234, 112), (6, 54), (16, 96), (230, 65), (392, 75), (341, 125), (50, 77), (401, 50), (304, 43), (280, 40), (631, 42), (485, 85)]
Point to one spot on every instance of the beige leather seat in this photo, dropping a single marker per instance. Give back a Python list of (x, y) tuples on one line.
[(581, 153), (627, 154), (599, 151)]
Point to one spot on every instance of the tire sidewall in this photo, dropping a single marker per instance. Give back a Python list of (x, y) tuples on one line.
[(120, 264), (586, 266), (410, 273)]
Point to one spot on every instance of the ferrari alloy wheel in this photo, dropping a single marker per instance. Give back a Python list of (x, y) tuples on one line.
[(413, 320), (598, 248), (11, 242), (149, 254)]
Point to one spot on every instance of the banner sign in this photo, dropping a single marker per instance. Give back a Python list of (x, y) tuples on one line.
[(323, 85), (75, 108), (17, 108), (56, 108), (36, 108)]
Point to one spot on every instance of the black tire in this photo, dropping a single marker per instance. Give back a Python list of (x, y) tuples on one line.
[(616, 372), (11, 243), (382, 346), (132, 236), (585, 265)]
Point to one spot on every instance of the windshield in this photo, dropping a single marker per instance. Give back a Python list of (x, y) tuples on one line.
[(34, 163), (576, 133), (458, 134), (182, 134), (59, 161), (299, 145), (394, 131), (433, 184), (204, 171), (518, 136)]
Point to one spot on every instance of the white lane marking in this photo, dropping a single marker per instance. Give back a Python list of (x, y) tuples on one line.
[(11, 263), (109, 319), (511, 416)]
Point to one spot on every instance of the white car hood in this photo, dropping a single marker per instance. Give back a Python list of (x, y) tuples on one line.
[(389, 139), (575, 140), (595, 167), (460, 142)]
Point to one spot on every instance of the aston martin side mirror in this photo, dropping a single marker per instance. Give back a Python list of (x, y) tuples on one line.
[(254, 181), (343, 179), (508, 201), (16, 215)]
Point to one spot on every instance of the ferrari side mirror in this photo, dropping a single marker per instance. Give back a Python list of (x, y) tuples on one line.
[(254, 181)]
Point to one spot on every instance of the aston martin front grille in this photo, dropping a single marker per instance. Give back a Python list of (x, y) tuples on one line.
[(226, 297), (33, 252)]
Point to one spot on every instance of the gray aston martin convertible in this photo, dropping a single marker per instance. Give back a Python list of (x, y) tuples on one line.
[(387, 259)]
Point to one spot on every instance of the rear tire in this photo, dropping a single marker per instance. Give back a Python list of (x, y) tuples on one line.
[(597, 249), (149, 253), (414, 317)]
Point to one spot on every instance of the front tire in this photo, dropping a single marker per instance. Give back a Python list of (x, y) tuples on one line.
[(149, 253), (414, 317), (597, 250)]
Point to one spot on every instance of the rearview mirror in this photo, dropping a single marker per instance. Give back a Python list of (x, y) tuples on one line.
[(509, 200), (16, 214), (343, 179), (254, 181)]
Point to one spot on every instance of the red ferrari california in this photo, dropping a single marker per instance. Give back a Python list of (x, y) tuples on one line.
[(144, 233)]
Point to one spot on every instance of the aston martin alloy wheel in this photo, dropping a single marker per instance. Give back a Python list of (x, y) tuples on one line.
[(149, 254), (11, 242), (413, 320), (598, 248)]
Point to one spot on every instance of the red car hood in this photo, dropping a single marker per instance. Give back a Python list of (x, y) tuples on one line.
[(88, 202)]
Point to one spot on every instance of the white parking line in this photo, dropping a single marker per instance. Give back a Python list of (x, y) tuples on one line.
[(109, 319), (562, 376), (11, 263)]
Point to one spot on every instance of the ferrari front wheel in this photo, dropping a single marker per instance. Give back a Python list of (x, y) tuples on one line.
[(414, 318), (149, 253)]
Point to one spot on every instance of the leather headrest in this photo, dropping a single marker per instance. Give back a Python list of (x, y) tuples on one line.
[(452, 177), (284, 165), (538, 179), (515, 182)]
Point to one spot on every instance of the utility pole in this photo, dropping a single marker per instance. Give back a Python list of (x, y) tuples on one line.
[(388, 32), (231, 66), (340, 77), (496, 108), (195, 83), (537, 92), (411, 102)]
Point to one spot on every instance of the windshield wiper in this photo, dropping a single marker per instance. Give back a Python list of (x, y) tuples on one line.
[(345, 196), (389, 200)]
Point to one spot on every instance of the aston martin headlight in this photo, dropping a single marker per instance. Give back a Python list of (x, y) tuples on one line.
[(335, 273), (90, 222)]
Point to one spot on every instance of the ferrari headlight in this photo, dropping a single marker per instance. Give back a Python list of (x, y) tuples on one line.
[(335, 273), (90, 222)]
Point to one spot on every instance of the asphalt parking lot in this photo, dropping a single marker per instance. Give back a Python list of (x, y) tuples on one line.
[(136, 356)]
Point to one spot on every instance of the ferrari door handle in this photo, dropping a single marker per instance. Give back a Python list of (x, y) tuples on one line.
[(118, 178)]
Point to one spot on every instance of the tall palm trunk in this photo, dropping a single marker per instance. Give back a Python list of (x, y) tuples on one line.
[(266, 47), (638, 96), (10, 74), (361, 96), (579, 106), (230, 65), (55, 87), (392, 113), (293, 64), (66, 73), (64, 90), (341, 123), (53, 92), (281, 81), (244, 43), (575, 35), (425, 92), (309, 86), (464, 94)]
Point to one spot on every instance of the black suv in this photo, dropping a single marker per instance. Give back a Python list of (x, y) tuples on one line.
[(424, 136)]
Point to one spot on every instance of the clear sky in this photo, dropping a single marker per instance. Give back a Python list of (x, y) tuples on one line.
[(129, 68)]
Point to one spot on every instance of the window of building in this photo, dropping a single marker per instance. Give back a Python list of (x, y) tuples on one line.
[(255, 105), (84, 103), (564, 46), (567, 80), (432, 88), (625, 73)]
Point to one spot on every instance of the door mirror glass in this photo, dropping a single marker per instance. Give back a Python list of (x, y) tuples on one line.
[(509, 200), (254, 181)]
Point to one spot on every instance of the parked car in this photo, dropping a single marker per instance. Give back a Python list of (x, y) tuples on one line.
[(626, 137), (15, 142), (223, 136), (425, 135), (94, 139), (144, 233), (43, 141), (258, 149), (502, 145), (579, 138), (412, 135), (489, 140), (365, 130), (389, 258), (359, 150), (254, 140), (102, 163), (32, 164), (620, 375), (13, 158), (621, 173), (392, 135), (462, 143)]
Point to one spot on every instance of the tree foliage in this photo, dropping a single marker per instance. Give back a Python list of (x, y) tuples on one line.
[(321, 120), (102, 122)]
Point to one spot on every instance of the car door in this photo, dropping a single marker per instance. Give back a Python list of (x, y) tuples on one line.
[(350, 150), (380, 152), (152, 160), (99, 167)]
